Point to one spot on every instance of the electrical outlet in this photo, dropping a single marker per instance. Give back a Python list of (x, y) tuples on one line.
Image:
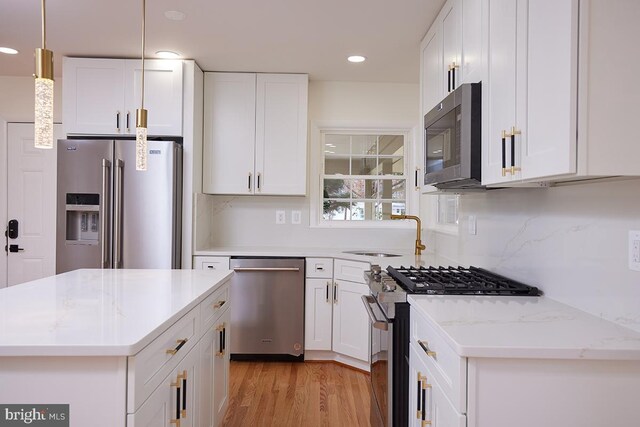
[(634, 250), (473, 225), (296, 217), (281, 217)]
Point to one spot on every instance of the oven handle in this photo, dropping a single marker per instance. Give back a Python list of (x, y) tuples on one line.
[(378, 324)]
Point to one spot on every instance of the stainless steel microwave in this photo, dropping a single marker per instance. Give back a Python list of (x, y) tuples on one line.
[(453, 155)]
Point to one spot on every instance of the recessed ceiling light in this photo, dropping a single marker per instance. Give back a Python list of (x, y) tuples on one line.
[(356, 58), (8, 50), (175, 15), (167, 54)]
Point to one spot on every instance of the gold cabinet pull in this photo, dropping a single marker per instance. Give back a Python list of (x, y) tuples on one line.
[(514, 132), (181, 342), (219, 304), (425, 347)]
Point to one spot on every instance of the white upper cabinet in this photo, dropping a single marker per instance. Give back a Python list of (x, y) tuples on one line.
[(451, 44), (431, 70), (229, 133), (255, 134), (100, 96), (471, 62), (550, 90)]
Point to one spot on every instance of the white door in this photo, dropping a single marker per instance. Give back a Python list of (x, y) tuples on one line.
[(93, 96), (451, 44), (350, 320), (317, 314), (471, 41), (431, 69), (31, 201), (499, 90), (229, 133), (162, 95), (221, 368), (281, 134)]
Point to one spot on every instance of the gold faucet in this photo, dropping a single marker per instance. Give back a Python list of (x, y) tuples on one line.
[(419, 245)]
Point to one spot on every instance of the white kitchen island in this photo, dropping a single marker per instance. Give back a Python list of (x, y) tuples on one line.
[(500, 361), (121, 347)]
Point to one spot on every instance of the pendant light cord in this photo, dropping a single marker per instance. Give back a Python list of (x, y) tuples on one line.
[(44, 28), (143, 38)]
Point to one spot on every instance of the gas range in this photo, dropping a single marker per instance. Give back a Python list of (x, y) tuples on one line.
[(394, 284)]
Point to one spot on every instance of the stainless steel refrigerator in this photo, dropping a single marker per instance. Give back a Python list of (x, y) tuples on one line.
[(111, 216)]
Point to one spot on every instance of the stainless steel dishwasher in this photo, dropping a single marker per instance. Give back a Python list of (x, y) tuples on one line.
[(268, 308)]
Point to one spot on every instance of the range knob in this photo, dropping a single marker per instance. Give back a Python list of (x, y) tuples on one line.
[(376, 269)]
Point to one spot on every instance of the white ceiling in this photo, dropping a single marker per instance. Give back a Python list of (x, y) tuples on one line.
[(306, 36)]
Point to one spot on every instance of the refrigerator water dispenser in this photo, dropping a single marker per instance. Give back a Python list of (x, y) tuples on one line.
[(83, 218)]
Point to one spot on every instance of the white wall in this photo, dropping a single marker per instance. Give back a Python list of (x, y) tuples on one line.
[(17, 99), (250, 220), (570, 241)]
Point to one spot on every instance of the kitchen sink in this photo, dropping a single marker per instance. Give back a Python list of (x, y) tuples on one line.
[(367, 253)]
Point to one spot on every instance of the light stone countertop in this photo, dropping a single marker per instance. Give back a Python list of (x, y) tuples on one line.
[(525, 327), (405, 259), (98, 312)]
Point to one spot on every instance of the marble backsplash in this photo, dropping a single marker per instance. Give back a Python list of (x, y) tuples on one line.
[(571, 241)]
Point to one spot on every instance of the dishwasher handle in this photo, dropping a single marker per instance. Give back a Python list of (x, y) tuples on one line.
[(267, 269), (378, 324)]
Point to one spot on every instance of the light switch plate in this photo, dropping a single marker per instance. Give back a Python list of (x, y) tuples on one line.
[(634, 250), (281, 217), (296, 217)]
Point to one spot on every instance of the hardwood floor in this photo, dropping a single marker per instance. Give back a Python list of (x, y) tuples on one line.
[(297, 394)]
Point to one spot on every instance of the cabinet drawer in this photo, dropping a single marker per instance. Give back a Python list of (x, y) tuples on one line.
[(213, 306), (211, 263), (449, 369), (352, 271), (148, 368), (319, 268)]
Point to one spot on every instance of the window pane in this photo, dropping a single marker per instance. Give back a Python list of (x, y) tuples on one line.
[(363, 211), (336, 189), (391, 145), (384, 210), (333, 166), (364, 144), (363, 166), (391, 166), (364, 188), (392, 189), (336, 210), (336, 144), (448, 209)]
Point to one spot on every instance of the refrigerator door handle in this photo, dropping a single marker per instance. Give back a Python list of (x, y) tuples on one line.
[(106, 208), (117, 216)]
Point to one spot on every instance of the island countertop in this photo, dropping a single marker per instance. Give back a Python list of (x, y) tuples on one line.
[(98, 312)]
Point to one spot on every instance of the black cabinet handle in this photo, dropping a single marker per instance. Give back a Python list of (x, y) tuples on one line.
[(453, 77), (327, 292), (128, 128), (419, 414), (180, 344), (424, 403), (249, 183), (504, 152), (118, 120), (513, 152), (335, 290), (449, 80), (224, 339), (416, 178), (258, 182), (184, 396), (177, 403)]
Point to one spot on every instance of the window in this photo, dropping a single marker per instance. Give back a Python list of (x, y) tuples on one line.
[(447, 210), (363, 176)]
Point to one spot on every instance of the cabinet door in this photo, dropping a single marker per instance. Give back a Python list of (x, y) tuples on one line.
[(549, 145), (499, 90), (281, 134), (350, 320), (221, 367), (229, 133), (162, 95), (471, 61), (214, 373), (431, 69), (317, 314), (173, 399), (451, 44), (93, 96)]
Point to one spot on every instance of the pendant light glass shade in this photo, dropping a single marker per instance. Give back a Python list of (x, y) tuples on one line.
[(141, 113), (43, 120)]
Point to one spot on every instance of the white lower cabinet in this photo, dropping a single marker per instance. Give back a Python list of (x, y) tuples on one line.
[(195, 392), (214, 372), (336, 321)]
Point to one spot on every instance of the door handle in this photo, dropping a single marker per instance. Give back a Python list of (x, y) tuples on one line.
[(249, 183), (117, 219), (104, 223), (118, 121), (449, 80), (514, 132), (128, 128), (14, 248), (505, 135), (378, 324), (335, 295), (12, 229)]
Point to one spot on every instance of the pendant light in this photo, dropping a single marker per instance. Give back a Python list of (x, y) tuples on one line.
[(43, 122), (141, 113)]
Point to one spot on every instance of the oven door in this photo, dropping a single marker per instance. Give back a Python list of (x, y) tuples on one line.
[(381, 331)]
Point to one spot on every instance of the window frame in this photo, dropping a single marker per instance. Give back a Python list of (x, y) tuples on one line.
[(318, 129), (433, 204)]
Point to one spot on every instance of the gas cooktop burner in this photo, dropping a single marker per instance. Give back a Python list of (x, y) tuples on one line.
[(458, 281)]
